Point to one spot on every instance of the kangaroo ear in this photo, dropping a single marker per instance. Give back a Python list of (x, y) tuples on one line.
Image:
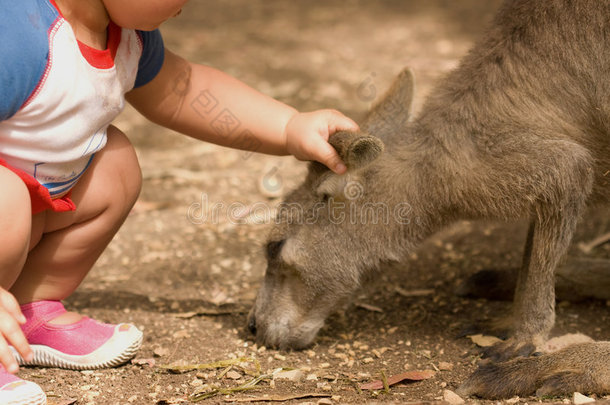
[(356, 149), (394, 108)]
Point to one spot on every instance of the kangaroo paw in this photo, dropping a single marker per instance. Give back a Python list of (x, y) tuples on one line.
[(500, 380), (581, 367), (565, 383)]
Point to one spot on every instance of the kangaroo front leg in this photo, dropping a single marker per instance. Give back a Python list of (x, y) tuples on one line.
[(548, 239), (562, 179)]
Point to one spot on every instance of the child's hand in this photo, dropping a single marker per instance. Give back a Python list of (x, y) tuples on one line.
[(10, 332), (307, 136)]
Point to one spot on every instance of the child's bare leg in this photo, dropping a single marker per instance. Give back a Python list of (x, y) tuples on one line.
[(71, 242), (16, 224)]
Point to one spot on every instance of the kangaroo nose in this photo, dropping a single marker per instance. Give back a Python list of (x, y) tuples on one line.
[(252, 325)]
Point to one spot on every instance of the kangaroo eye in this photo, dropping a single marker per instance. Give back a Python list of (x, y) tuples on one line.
[(274, 248)]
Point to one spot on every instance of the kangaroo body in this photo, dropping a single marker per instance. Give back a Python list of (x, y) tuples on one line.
[(521, 129)]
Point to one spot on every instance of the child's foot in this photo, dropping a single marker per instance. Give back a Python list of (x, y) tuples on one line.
[(15, 391), (85, 344)]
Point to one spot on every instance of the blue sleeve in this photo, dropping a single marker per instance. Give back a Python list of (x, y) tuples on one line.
[(24, 51), (153, 54)]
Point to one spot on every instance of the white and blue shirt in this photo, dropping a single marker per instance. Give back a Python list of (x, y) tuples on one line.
[(57, 95)]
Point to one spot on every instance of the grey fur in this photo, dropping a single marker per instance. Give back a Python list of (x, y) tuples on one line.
[(521, 129)]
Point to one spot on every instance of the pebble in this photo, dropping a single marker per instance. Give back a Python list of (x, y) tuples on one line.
[(579, 398), (452, 398), (233, 375), (291, 375), (445, 366)]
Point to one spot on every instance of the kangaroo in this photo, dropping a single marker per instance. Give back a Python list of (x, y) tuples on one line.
[(520, 129)]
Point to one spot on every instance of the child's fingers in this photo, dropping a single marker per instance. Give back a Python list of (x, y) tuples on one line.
[(7, 359), (10, 304), (10, 332), (339, 122), (13, 335), (327, 155)]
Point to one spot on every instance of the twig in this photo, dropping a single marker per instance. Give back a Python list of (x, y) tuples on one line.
[(587, 247), (279, 398), (384, 380), (208, 366), (249, 385)]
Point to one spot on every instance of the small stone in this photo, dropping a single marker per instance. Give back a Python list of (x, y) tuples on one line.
[(452, 398), (291, 375), (161, 351), (445, 366), (325, 401), (513, 400), (367, 360), (311, 377), (233, 375), (324, 365), (279, 357), (579, 398), (181, 334)]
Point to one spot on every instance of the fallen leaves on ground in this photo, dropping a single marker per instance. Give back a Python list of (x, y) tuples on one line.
[(395, 379)]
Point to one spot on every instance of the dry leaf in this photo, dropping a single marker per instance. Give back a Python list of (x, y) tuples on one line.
[(395, 379), (483, 340)]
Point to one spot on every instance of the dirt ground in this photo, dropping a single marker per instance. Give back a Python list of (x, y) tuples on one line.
[(187, 278)]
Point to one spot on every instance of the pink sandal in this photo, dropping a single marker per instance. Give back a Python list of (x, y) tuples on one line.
[(15, 391), (84, 345)]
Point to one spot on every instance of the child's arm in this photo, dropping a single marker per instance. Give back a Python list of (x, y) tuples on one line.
[(210, 105)]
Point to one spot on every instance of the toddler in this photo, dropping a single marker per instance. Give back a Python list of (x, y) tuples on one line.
[(68, 178)]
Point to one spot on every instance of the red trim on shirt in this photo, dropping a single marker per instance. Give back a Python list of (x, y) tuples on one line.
[(101, 59)]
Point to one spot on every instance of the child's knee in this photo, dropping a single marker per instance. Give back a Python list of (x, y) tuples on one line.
[(15, 220), (130, 174)]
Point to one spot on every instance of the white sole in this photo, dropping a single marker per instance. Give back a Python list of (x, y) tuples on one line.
[(23, 393), (121, 347)]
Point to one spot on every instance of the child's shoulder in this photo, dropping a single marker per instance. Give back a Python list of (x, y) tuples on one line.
[(25, 26)]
